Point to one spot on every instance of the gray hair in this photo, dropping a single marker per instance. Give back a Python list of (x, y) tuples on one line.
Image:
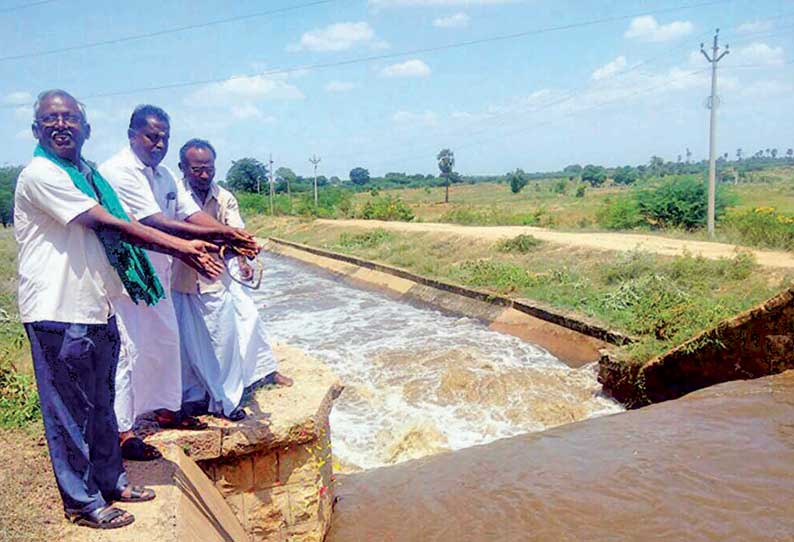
[(63, 94), (196, 144)]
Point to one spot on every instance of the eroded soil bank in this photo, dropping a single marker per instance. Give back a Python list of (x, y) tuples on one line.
[(712, 466)]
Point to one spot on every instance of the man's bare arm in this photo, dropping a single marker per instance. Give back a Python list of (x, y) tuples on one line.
[(202, 226), (195, 253)]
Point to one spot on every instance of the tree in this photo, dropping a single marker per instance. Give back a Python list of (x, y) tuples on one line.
[(739, 154), (517, 179), (656, 165), (246, 174), (773, 153), (359, 176), (625, 175), (573, 170), (688, 155), (446, 164), (8, 182), (595, 175), (789, 153)]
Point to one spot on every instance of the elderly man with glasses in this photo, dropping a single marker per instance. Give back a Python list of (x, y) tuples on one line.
[(223, 338), (78, 251)]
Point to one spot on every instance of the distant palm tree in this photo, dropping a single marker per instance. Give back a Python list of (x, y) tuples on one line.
[(739, 154), (446, 163), (773, 152), (789, 153)]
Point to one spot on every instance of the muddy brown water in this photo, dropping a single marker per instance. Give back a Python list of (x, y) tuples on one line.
[(716, 465)]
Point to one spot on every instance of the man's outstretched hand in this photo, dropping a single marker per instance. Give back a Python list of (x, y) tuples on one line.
[(243, 242), (197, 254)]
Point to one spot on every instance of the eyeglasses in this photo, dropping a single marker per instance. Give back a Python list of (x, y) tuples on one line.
[(69, 119), (198, 170)]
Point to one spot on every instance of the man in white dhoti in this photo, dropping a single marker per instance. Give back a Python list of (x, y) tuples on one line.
[(222, 337), (150, 373)]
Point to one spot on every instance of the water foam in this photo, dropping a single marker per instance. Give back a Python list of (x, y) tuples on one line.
[(419, 381)]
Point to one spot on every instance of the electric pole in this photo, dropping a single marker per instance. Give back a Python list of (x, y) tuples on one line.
[(272, 184), (713, 102), (315, 160)]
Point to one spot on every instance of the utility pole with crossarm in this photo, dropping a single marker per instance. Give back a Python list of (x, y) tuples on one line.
[(315, 160), (713, 102)]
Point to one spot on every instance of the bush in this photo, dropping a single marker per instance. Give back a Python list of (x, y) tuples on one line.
[(620, 214), (580, 190), (559, 186), (19, 401), (595, 175), (762, 226), (518, 180), (386, 208), (369, 239), (680, 202), (521, 243)]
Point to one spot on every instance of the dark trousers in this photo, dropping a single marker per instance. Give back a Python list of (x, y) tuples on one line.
[(75, 367)]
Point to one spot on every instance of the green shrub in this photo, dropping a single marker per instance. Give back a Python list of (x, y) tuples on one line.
[(521, 243), (679, 202), (368, 239), (580, 190), (386, 208), (762, 226), (19, 401), (493, 274), (560, 186), (622, 213)]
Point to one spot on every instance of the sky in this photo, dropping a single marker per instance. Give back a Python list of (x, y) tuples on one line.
[(386, 84)]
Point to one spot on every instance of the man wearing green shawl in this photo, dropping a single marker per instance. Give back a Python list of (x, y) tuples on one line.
[(77, 250)]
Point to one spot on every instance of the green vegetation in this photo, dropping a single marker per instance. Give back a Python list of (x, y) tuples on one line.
[(386, 208), (520, 243), (663, 301), (19, 404), (518, 180)]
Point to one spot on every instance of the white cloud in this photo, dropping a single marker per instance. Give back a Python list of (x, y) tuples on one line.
[(609, 69), (339, 86), (755, 26), (760, 53), (338, 37), (766, 89), (18, 98), (249, 111), (426, 118), (647, 28), (459, 20), (239, 90), (409, 68)]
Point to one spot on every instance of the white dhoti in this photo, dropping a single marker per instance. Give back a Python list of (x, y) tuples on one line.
[(149, 372), (225, 342)]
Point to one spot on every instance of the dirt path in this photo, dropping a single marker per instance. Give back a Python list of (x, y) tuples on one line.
[(599, 241)]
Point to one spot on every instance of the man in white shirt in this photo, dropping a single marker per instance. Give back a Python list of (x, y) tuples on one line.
[(150, 373), (77, 254), (223, 338)]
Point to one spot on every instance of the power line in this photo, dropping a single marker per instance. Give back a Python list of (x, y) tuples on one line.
[(25, 6), (434, 49), (163, 32)]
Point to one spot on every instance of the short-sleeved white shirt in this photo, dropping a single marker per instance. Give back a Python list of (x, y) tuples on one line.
[(64, 273), (146, 191)]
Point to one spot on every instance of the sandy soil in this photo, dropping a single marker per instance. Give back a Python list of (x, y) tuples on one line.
[(598, 241)]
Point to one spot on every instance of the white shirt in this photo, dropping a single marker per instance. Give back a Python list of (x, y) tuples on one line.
[(64, 273), (146, 191)]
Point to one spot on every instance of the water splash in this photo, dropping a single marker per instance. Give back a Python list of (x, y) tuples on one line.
[(419, 381)]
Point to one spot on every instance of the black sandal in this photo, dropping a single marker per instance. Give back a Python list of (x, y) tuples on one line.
[(102, 518), (236, 415), (181, 421), (135, 449), (137, 494)]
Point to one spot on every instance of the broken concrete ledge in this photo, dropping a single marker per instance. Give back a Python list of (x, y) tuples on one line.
[(755, 343), (267, 477), (572, 338)]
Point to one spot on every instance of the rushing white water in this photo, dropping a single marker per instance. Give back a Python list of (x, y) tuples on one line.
[(418, 381)]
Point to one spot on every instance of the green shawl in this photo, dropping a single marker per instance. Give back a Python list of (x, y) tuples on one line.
[(130, 262)]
